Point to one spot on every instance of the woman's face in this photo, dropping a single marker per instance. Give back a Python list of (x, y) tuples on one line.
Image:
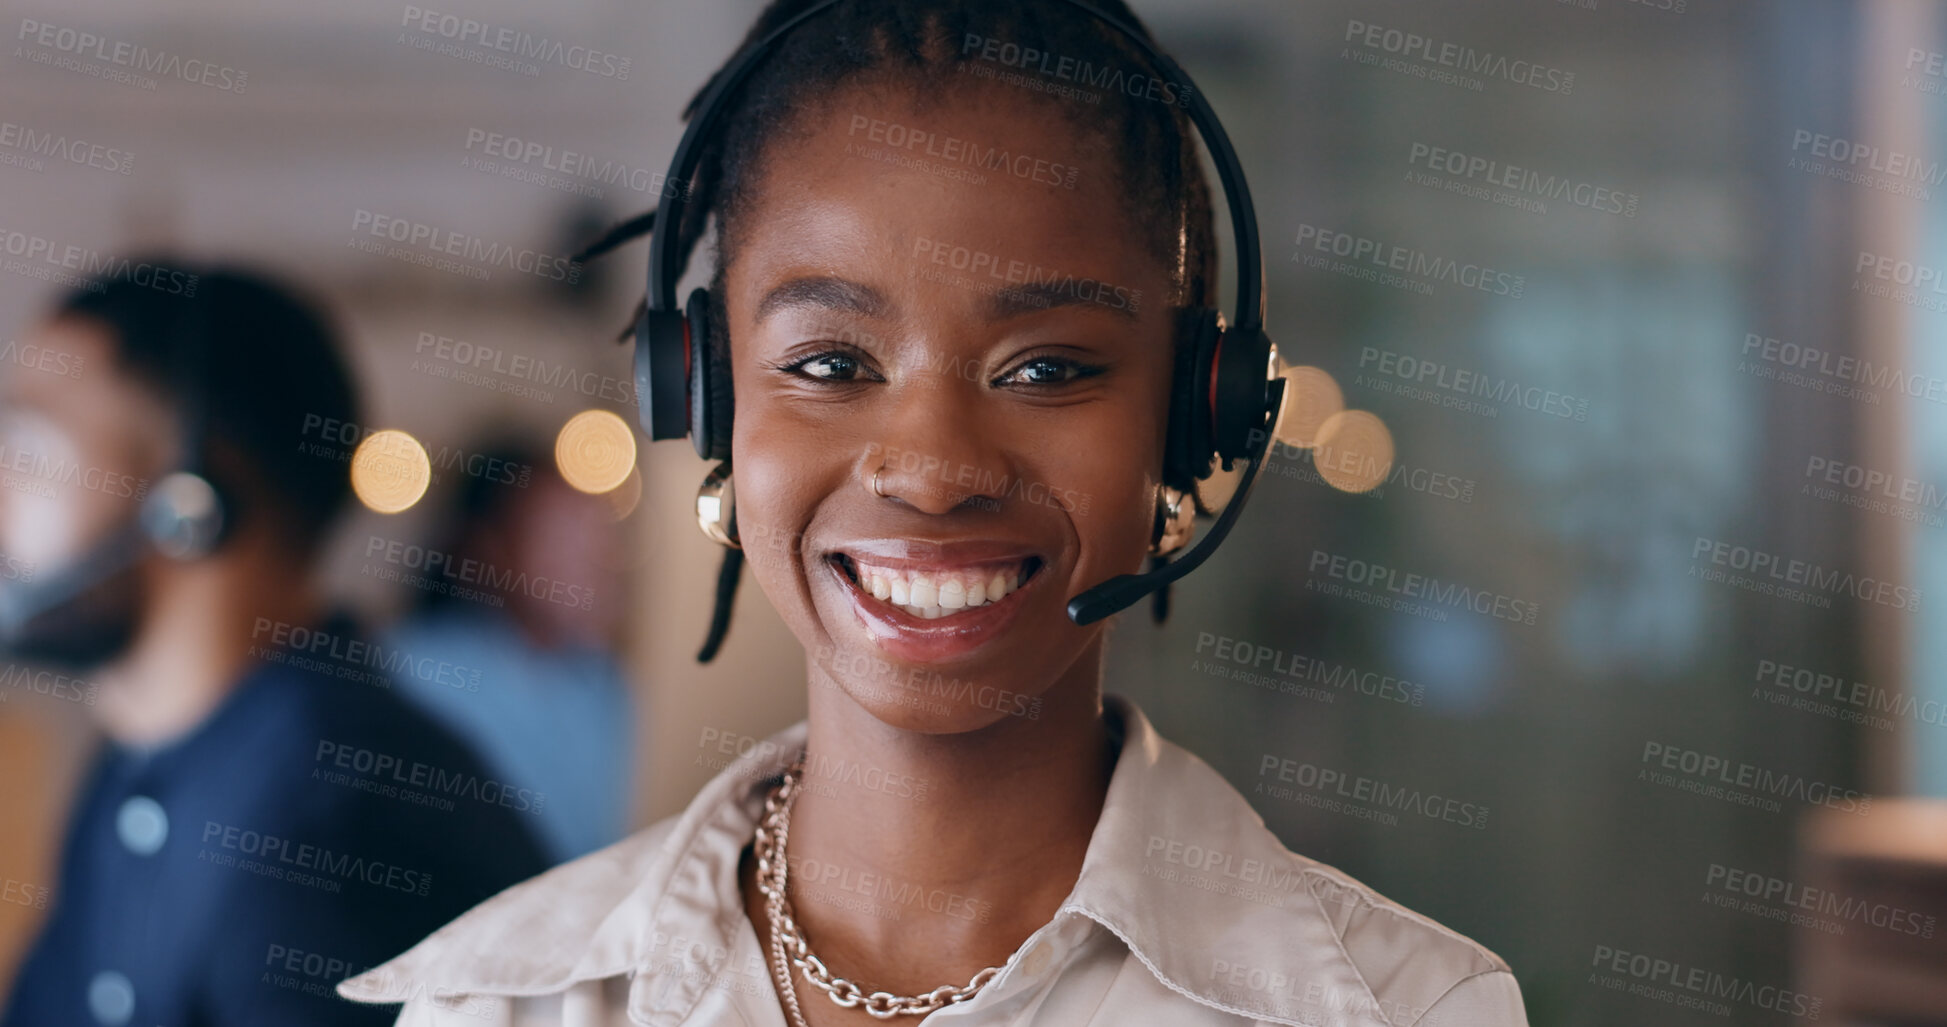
[(956, 299)]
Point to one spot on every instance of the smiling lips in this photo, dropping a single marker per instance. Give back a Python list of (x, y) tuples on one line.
[(940, 592), (932, 610)]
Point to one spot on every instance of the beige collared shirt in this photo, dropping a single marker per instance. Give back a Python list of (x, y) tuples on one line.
[(1188, 913)]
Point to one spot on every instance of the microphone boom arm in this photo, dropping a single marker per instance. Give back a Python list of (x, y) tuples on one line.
[(1119, 592)]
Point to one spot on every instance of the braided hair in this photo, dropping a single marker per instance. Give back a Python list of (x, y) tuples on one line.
[(931, 45)]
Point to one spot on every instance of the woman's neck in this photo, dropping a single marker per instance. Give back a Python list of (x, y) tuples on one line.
[(917, 859)]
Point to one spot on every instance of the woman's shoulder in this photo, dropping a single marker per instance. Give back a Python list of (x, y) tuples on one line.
[(1415, 969), (1201, 890), (582, 915), (651, 896)]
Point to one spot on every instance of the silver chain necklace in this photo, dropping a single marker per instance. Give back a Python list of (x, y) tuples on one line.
[(788, 945)]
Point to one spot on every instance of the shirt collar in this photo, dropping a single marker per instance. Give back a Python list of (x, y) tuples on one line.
[(1183, 870), (1179, 867)]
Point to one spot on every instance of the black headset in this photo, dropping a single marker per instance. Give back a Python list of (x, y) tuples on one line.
[(184, 516), (1226, 394)]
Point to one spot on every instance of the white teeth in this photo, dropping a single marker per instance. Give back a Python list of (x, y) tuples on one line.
[(932, 595), (925, 592), (953, 595)]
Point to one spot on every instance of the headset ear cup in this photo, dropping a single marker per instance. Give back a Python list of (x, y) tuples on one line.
[(184, 516), (661, 380), (1242, 362), (723, 399), (1189, 450), (710, 398), (645, 376)]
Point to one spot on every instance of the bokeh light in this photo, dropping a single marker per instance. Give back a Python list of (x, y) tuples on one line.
[(595, 451), (1353, 451), (1311, 395), (390, 471), (623, 499)]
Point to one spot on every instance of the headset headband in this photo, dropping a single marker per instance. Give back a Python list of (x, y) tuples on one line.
[(666, 265)]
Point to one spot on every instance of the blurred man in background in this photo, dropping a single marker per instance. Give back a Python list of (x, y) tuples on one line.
[(265, 811), (551, 708)]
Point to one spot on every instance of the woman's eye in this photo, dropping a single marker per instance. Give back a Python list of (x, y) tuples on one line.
[(830, 367), (1047, 371)]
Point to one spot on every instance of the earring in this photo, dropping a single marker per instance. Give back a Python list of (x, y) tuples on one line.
[(873, 482), (1174, 523), (716, 507)]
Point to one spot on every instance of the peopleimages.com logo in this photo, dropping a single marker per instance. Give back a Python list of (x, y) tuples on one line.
[(1802, 905), (433, 246), (1693, 987), (82, 267), (286, 859), (1453, 59), (28, 144), (125, 59), (1062, 68), (1419, 588), (1523, 181), (1732, 780), (1775, 574), (1400, 266), (515, 45)]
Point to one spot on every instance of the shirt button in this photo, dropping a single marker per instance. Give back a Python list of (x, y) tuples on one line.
[(1037, 960), (111, 997), (142, 825)]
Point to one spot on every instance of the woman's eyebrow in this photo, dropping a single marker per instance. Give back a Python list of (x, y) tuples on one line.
[(822, 291), (1015, 300)]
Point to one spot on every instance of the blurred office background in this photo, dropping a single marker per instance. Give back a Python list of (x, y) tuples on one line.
[(1662, 405)]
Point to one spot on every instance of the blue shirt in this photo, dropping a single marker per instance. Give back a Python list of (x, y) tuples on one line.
[(313, 822), (555, 721)]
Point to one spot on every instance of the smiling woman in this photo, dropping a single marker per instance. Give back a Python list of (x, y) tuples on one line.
[(965, 256)]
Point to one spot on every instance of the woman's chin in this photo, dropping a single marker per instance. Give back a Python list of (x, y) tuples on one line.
[(926, 701)]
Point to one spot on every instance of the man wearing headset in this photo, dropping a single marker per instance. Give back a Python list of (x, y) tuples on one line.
[(264, 813)]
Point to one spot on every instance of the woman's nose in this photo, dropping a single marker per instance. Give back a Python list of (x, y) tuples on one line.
[(938, 448)]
